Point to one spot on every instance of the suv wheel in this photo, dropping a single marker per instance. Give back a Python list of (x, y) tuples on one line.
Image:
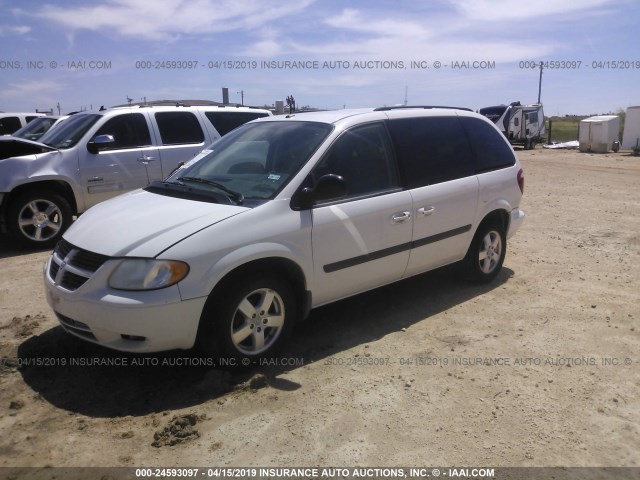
[(247, 321), (486, 253), (38, 220)]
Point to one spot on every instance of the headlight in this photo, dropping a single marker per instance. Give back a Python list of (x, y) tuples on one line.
[(147, 274)]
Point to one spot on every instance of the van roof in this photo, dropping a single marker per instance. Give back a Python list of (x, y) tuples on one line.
[(334, 116)]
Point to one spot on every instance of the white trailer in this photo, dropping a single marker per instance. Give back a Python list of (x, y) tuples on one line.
[(599, 134), (631, 134), (521, 124)]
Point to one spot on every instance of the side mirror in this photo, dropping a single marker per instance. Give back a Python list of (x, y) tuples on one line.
[(101, 142), (328, 187)]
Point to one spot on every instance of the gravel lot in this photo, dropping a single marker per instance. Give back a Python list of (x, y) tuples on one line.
[(540, 368)]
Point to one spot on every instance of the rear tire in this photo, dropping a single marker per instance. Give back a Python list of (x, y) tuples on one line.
[(486, 253), (247, 321), (38, 219)]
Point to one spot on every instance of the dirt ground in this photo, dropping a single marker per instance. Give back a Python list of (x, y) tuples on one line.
[(540, 368)]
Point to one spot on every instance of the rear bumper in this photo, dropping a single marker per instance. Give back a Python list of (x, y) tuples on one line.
[(515, 221)]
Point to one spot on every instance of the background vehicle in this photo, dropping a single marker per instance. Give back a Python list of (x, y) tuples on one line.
[(10, 122), (521, 124), (599, 134), (283, 215), (38, 127), (93, 156)]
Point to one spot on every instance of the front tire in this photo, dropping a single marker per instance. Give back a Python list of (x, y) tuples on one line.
[(38, 219), (247, 321), (486, 254)]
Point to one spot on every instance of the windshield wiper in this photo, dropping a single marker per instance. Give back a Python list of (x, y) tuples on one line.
[(236, 196), (175, 170)]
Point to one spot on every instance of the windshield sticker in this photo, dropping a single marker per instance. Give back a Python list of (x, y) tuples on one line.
[(274, 177), (198, 157)]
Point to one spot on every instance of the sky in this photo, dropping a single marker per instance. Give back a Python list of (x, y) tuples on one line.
[(327, 54)]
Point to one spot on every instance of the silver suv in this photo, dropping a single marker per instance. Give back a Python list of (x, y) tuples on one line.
[(94, 156)]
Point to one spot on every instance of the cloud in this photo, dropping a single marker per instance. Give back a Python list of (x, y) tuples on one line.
[(37, 91), (375, 35), (145, 19), (265, 48), (14, 30), (499, 11), (464, 31), (354, 20)]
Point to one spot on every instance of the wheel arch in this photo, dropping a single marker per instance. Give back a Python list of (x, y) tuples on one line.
[(58, 187), (498, 216), (280, 267)]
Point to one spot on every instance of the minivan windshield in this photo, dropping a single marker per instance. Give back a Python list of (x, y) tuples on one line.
[(70, 132), (255, 161)]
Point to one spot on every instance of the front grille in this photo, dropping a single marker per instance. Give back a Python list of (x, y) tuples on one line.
[(72, 281), (89, 260), (77, 265), (63, 248), (73, 326), (69, 322), (53, 270)]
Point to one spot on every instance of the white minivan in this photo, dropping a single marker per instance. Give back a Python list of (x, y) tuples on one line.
[(280, 216)]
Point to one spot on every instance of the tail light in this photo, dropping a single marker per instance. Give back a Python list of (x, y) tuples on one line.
[(521, 180)]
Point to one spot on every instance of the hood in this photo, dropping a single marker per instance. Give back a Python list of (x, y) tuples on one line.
[(143, 224), (20, 147)]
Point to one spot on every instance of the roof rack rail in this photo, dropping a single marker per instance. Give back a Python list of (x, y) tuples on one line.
[(398, 107)]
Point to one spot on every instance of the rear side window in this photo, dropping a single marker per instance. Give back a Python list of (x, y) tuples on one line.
[(129, 130), (178, 128), (489, 146), (431, 150), (9, 125), (29, 118), (224, 122)]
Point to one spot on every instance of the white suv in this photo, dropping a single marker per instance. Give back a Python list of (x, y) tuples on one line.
[(283, 215), (10, 122), (94, 156)]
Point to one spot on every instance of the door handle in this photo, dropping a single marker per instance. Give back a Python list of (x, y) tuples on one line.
[(400, 217), (145, 159), (426, 211)]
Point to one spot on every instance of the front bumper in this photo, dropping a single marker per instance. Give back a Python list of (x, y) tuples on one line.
[(149, 321)]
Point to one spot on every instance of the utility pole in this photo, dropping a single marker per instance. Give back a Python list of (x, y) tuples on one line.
[(540, 83), (406, 101), (241, 92), (291, 102)]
